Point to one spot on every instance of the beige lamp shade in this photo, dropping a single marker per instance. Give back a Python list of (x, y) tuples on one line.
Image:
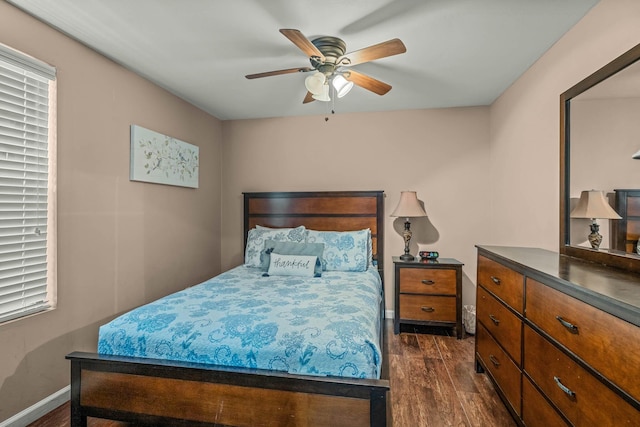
[(592, 204), (409, 206)]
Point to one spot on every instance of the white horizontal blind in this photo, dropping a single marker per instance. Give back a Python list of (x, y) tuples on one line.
[(24, 178)]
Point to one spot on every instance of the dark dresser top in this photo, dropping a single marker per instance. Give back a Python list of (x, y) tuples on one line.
[(614, 291)]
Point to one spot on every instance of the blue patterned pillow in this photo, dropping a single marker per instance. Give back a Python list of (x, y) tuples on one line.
[(292, 248), (343, 250), (257, 237)]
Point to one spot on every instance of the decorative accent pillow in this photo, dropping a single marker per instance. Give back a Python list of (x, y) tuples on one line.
[(257, 237), (292, 265), (343, 250), (292, 248)]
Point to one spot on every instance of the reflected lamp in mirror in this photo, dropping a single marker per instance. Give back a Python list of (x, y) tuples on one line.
[(593, 205), (408, 207)]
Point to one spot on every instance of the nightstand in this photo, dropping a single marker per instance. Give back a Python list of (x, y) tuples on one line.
[(428, 293)]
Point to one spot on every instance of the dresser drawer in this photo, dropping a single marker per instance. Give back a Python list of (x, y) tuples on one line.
[(500, 366), (579, 395), (428, 308), (427, 281), (502, 281), (505, 326), (608, 344), (536, 411)]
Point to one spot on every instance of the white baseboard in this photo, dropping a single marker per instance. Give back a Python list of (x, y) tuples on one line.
[(39, 409)]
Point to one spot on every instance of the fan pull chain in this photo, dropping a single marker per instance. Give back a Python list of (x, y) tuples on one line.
[(333, 95)]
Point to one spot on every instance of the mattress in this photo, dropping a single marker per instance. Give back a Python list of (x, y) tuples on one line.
[(325, 326)]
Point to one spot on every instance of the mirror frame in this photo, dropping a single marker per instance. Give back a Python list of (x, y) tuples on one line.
[(613, 258)]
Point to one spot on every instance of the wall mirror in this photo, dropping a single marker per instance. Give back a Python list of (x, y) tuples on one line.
[(600, 150)]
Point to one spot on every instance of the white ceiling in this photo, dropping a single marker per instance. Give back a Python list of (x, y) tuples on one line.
[(459, 52)]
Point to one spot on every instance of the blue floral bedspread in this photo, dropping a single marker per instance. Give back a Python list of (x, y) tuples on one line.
[(328, 326)]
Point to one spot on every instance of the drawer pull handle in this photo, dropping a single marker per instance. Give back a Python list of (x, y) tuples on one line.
[(564, 388), (428, 309), (570, 326), (494, 320), (494, 360), (428, 282), (495, 280)]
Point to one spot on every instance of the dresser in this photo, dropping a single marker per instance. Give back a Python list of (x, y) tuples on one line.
[(428, 293), (559, 337)]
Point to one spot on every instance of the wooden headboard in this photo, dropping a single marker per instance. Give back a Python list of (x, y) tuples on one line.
[(324, 211)]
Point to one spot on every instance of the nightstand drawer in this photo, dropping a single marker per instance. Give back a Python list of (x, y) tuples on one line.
[(506, 374), (579, 395), (428, 308), (582, 328), (505, 283), (427, 281), (505, 326)]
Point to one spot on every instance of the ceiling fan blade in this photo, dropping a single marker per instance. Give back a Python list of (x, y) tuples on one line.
[(303, 43), (308, 98), (278, 72), (377, 51), (367, 82)]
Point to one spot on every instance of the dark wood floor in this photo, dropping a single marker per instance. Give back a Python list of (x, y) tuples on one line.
[(433, 383)]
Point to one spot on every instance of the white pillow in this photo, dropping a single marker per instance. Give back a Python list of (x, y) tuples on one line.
[(257, 237), (343, 250), (292, 265)]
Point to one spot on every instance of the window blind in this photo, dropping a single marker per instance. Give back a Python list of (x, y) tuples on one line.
[(24, 185)]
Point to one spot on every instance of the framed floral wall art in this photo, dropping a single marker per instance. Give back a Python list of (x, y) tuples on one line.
[(161, 159)]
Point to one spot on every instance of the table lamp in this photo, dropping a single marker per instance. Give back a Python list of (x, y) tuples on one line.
[(408, 207), (593, 205)]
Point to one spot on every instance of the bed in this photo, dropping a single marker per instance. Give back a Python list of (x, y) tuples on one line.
[(195, 392)]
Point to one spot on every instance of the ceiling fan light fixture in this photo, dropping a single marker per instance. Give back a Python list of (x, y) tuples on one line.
[(315, 82), (324, 95), (341, 85)]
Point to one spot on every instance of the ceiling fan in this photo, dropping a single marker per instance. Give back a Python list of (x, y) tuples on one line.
[(328, 58)]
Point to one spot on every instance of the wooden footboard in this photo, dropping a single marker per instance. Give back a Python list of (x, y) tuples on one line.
[(154, 392)]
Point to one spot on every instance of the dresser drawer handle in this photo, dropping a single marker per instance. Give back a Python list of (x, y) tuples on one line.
[(428, 282), (564, 388), (494, 360), (494, 320), (571, 327), (495, 280), (428, 309)]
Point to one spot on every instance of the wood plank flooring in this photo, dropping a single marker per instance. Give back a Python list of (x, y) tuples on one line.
[(433, 383)]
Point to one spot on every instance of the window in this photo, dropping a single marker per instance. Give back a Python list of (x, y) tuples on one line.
[(27, 185)]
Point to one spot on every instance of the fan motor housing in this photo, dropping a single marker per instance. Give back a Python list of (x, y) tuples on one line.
[(332, 48)]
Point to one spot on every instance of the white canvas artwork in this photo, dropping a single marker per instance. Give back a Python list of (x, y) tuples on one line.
[(162, 159)]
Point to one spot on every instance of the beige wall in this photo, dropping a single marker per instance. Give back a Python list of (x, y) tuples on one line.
[(525, 125), (442, 154), (121, 243)]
